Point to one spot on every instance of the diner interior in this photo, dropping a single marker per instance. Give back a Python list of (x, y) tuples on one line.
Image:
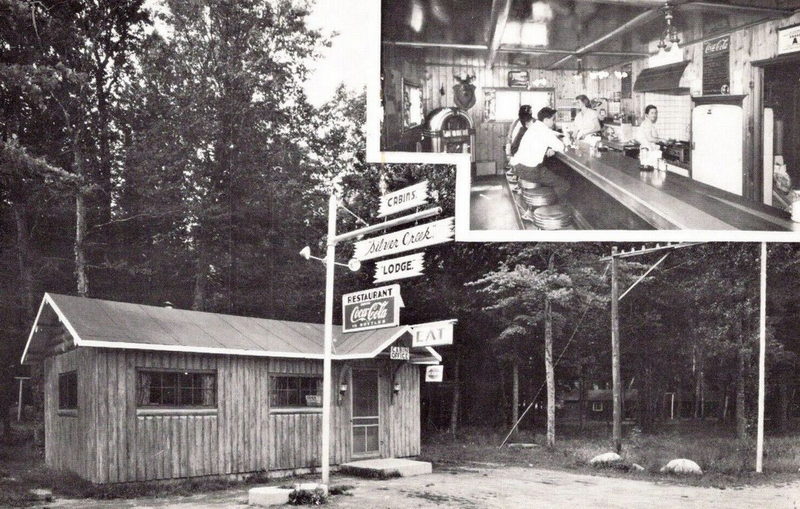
[(723, 77)]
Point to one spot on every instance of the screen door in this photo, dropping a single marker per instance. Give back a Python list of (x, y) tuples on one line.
[(365, 412)]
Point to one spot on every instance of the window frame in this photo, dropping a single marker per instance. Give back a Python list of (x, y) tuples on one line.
[(161, 408), (597, 406), (72, 409), (294, 408)]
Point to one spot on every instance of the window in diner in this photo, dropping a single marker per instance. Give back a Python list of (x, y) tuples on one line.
[(176, 388), (597, 406), (68, 391), (295, 391)]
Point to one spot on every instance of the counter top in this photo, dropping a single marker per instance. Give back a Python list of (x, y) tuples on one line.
[(669, 201)]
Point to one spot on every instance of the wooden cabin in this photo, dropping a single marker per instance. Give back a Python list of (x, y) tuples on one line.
[(596, 406), (723, 76), (137, 393)]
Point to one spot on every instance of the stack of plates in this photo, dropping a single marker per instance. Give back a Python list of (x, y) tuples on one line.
[(552, 217), (539, 196), (527, 184)]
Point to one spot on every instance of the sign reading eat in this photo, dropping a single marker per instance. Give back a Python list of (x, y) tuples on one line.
[(400, 268), (415, 237), (371, 309), (404, 199), (432, 334)]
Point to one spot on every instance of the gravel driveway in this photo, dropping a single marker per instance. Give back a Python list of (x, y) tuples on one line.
[(503, 487)]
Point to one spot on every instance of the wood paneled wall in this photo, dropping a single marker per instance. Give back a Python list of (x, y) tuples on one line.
[(435, 70), (108, 442)]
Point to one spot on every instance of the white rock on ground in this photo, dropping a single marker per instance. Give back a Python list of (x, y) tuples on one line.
[(266, 496), (682, 466), (605, 458), (638, 467)]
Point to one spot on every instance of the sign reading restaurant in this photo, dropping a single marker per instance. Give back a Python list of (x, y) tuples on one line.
[(416, 237), (371, 309)]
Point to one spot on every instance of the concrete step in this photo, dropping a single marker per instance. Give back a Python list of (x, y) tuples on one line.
[(386, 468)]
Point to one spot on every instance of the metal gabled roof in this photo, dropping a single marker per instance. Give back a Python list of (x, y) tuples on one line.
[(110, 324)]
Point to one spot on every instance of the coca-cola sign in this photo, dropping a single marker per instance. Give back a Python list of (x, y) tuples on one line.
[(371, 309)]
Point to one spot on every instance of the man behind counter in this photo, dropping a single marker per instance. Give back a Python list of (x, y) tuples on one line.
[(538, 142)]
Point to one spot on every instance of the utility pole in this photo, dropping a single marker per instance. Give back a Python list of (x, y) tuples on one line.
[(330, 260), (762, 360), (615, 375)]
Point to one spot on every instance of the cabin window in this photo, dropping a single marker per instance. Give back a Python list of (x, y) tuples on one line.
[(68, 391), (295, 391), (597, 406), (176, 389)]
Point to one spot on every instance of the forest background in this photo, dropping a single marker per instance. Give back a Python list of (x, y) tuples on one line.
[(187, 166)]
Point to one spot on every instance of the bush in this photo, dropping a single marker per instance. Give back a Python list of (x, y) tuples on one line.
[(308, 497)]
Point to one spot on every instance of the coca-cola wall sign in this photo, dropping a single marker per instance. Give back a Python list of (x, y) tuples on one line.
[(371, 309)]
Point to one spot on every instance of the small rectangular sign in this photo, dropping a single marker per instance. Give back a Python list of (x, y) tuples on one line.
[(519, 79), (434, 373), (404, 199), (371, 309), (401, 353), (788, 39), (399, 268), (432, 334), (416, 237)]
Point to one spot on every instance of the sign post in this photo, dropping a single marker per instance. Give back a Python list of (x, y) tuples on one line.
[(330, 259)]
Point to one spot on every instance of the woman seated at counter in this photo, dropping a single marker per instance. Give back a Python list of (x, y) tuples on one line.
[(539, 141), (646, 134), (586, 121)]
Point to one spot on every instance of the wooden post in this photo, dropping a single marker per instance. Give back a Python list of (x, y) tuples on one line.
[(615, 372), (330, 258), (762, 347)]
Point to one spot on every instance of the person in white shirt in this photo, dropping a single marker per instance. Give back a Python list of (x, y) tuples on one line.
[(646, 134), (586, 122), (540, 141)]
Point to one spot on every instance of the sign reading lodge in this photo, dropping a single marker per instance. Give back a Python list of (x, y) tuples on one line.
[(415, 237), (404, 199), (371, 309), (400, 268)]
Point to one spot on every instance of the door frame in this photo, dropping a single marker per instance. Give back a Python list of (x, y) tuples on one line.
[(377, 452)]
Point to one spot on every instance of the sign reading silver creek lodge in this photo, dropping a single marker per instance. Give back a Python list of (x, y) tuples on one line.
[(415, 237), (404, 199), (371, 309), (400, 268), (432, 334)]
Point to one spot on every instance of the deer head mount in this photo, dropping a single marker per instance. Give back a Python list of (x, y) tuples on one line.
[(464, 91)]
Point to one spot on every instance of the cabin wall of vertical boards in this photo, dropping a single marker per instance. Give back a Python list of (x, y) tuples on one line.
[(108, 439)]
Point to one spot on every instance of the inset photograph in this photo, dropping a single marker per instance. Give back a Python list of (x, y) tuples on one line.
[(583, 115)]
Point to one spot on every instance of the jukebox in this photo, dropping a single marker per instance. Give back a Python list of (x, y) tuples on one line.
[(449, 130)]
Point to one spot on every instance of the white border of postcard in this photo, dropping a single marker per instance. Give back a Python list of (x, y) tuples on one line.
[(462, 162)]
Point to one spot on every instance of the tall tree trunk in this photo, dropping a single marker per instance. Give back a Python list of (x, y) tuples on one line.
[(582, 399), (515, 393), (783, 405), (741, 416), (80, 248), (24, 258), (549, 373), (104, 146), (200, 275), (456, 395)]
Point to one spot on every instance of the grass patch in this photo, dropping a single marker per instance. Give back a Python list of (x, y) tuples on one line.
[(725, 460)]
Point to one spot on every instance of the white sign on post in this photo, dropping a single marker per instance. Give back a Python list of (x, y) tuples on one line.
[(401, 353), (415, 237), (434, 373), (404, 199), (432, 334), (400, 268)]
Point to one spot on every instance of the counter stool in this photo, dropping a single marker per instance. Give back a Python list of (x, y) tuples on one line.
[(552, 217), (536, 195)]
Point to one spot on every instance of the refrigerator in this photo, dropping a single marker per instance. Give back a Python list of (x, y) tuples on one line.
[(717, 146)]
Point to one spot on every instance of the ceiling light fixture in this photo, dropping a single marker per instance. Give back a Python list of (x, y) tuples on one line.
[(670, 34)]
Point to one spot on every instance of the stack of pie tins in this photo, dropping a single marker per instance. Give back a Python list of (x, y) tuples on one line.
[(552, 217), (512, 176), (527, 184), (539, 196)]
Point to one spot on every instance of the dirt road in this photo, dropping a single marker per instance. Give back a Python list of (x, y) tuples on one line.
[(505, 487)]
